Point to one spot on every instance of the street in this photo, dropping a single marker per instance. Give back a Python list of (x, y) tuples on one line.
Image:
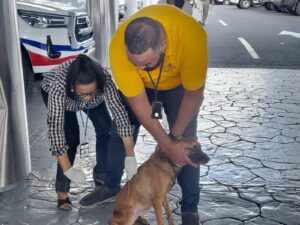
[(249, 124), (273, 36)]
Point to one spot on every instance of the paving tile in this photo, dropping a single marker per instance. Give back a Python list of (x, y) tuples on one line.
[(248, 124)]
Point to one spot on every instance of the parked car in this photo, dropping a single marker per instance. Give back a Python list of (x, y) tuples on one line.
[(51, 32), (272, 5), (221, 2), (245, 4), (292, 6)]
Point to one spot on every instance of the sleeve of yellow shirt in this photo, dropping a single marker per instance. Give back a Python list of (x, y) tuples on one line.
[(194, 66)]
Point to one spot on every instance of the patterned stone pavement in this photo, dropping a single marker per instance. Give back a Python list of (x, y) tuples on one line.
[(249, 124)]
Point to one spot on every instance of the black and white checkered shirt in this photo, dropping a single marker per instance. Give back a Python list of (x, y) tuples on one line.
[(54, 84)]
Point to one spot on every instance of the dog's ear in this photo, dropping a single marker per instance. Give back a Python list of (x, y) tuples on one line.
[(197, 155)]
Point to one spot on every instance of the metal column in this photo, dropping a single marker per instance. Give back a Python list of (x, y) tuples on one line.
[(153, 2), (131, 7), (104, 20), (146, 3), (14, 142)]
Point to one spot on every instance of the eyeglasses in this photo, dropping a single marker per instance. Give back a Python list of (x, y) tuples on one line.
[(91, 94)]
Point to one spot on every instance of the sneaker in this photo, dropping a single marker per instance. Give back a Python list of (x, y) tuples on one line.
[(190, 218), (98, 197)]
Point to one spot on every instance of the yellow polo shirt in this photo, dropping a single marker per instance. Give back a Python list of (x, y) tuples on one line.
[(185, 57)]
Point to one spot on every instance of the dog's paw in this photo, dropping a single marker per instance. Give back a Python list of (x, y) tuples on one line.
[(141, 221)]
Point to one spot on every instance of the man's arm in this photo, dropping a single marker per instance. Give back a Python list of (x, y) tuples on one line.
[(189, 107), (142, 109)]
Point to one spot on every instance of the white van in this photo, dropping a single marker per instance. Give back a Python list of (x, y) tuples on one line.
[(52, 32)]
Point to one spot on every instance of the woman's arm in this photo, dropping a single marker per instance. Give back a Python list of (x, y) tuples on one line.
[(56, 119), (129, 146), (64, 161), (117, 108)]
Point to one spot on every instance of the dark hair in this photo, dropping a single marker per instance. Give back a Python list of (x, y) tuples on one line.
[(84, 70), (141, 34)]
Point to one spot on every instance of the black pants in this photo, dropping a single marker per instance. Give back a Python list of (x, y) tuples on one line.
[(179, 3)]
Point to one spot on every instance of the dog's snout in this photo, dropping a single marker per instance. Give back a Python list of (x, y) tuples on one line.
[(198, 156)]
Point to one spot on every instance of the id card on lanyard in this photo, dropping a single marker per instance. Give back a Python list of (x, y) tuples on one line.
[(157, 105), (84, 146)]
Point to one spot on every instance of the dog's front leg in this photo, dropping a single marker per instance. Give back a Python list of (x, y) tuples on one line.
[(158, 211), (168, 210)]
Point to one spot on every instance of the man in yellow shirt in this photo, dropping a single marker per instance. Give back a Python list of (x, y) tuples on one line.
[(159, 60)]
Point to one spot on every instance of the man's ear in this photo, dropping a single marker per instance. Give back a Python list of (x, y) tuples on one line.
[(163, 45)]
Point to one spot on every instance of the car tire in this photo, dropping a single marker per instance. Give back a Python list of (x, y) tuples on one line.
[(277, 8), (297, 9), (267, 6), (238, 6), (245, 4), (226, 2), (27, 73)]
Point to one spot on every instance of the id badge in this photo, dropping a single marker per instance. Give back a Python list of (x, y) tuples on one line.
[(156, 110), (84, 149)]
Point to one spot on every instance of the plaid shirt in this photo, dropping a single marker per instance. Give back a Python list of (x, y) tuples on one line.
[(54, 84)]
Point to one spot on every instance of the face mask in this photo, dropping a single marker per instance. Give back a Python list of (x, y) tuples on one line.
[(160, 61)]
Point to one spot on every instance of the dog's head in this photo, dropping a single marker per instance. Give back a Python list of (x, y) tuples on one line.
[(196, 154)]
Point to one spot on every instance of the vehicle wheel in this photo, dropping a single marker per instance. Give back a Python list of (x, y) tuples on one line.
[(27, 73), (245, 4), (238, 6), (267, 6), (297, 9), (277, 8)]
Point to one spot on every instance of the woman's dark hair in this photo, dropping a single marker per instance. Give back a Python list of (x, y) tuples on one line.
[(141, 34), (84, 70)]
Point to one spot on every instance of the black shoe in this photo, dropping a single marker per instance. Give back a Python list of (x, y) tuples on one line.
[(98, 197), (190, 218)]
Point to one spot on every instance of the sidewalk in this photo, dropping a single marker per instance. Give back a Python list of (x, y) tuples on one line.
[(249, 124)]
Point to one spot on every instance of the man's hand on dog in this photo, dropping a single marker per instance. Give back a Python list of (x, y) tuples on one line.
[(177, 150)]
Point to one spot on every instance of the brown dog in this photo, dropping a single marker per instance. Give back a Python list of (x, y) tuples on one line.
[(150, 187)]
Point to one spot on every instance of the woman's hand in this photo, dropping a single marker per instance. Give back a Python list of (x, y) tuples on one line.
[(130, 166), (76, 175), (130, 160)]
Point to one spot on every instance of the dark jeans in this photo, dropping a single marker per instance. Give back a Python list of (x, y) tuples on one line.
[(189, 177), (110, 151), (179, 3), (116, 154)]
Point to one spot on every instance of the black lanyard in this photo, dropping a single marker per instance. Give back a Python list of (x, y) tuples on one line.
[(84, 146), (85, 125), (159, 75)]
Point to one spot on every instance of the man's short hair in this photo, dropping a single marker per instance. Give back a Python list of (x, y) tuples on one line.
[(141, 34)]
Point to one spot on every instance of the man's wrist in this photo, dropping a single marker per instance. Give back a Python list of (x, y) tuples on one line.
[(175, 138)]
